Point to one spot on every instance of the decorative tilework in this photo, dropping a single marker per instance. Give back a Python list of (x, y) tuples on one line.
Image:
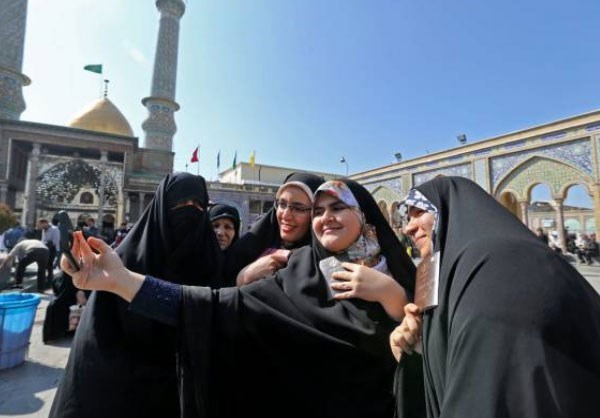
[(555, 135), (577, 153), (395, 185), (537, 170), (480, 173), (462, 170), (515, 144)]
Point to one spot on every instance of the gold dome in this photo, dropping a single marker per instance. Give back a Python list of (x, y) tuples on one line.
[(102, 116)]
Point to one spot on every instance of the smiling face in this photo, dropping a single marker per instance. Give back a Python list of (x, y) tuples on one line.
[(420, 229), (225, 231), (336, 225), (293, 223)]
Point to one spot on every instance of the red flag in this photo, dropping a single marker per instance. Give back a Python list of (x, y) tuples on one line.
[(195, 156)]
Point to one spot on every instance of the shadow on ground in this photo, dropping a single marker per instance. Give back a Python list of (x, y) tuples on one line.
[(33, 378)]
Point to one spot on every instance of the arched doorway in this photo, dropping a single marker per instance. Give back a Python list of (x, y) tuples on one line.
[(384, 210)]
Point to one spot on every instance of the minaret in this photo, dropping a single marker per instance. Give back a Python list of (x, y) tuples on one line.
[(13, 15), (160, 124)]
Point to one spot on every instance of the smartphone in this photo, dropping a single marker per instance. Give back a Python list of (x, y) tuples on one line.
[(66, 238), (330, 265)]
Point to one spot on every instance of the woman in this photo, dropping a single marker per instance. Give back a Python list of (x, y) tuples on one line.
[(225, 220), (126, 357), (56, 322), (282, 346), (516, 330), (284, 227)]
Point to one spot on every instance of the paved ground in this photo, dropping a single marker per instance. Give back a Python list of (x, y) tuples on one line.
[(27, 390)]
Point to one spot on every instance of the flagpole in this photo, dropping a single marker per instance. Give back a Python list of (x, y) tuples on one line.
[(198, 162)]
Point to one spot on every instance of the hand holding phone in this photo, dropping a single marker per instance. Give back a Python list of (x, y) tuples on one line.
[(66, 238)]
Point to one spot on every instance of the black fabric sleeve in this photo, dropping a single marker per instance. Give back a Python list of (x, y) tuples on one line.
[(158, 300)]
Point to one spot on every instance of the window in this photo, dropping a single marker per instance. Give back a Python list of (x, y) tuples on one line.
[(86, 198)]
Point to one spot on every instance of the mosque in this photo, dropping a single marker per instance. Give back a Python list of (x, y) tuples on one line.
[(94, 166)]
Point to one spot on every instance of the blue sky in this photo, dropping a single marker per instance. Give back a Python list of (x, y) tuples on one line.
[(304, 82)]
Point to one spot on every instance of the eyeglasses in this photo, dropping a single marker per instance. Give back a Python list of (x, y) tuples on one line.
[(295, 208)]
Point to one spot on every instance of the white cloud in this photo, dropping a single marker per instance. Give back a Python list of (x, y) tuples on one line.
[(135, 53)]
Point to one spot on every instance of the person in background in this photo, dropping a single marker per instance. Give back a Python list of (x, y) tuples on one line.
[(265, 248), (515, 330), (13, 235), (120, 235), (51, 238), (90, 229), (26, 252), (225, 220)]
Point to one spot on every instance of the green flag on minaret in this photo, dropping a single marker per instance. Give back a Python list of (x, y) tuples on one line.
[(95, 68)]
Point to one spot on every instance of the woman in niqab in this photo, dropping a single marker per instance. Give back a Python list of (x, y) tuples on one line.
[(128, 358), (282, 346), (516, 330)]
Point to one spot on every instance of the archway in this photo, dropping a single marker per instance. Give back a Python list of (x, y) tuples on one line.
[(578, 209), (541, 212), (384, 210)]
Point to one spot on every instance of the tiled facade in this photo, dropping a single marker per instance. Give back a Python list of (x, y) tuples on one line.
[(559, 154)]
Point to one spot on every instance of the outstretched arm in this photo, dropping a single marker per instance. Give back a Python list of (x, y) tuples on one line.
[(103, 270)]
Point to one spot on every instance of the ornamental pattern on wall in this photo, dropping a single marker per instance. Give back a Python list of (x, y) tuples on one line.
[(463, 170), (576, 153)]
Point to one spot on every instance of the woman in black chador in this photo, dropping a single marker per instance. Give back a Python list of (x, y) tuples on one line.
[(125, 357), (284, 346), (254, 255), (516, 330)]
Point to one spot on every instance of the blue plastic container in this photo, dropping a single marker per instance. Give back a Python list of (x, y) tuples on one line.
[(17, 314)]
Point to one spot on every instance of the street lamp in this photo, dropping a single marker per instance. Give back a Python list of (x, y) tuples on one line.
[(343, 161)]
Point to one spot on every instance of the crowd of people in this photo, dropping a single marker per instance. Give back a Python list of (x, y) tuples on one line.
[(319, 311), (584, 246)]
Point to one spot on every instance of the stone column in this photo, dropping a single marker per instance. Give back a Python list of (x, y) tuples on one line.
[(32, 174), (560, 223), (127, 214), (13, 16), (160, 124), (120, 212), (4, 192), (596, 200), (142, 206), (524, 205), (101, 190)]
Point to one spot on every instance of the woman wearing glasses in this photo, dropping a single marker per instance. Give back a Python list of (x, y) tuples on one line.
[(266, 247), (282, 346)]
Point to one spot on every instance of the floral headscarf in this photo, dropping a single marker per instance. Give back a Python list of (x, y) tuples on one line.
[(365, 250), (416, 199)]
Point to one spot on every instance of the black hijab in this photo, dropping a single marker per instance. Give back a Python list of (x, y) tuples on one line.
[(264, 234), (127, 358), (517, 329), (283, 347), (220, 211)]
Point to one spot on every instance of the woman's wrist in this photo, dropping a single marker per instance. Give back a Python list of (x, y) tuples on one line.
[(128, 284)]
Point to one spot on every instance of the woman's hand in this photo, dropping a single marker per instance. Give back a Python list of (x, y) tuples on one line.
[(360, 282), (102, 271), (371, 285), (407, 336), (263, 267)]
